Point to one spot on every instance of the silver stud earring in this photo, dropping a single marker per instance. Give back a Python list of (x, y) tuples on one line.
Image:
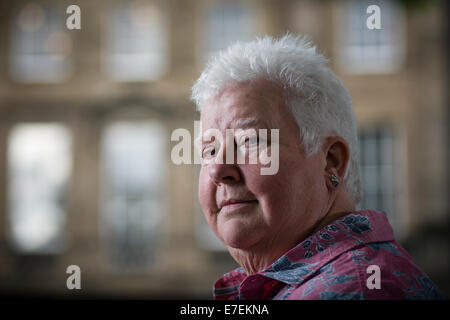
[(334, 180)]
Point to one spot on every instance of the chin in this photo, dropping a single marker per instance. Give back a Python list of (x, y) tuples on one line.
[(238, 238), (236, 244)]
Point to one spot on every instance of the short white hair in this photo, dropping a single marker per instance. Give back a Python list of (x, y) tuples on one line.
[(317, 99)]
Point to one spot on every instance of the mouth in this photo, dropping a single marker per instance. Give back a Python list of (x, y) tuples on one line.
[(234, 204)]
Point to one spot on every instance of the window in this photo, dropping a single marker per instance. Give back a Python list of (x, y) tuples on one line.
[(362, 50), (136, 46), (40, 45), (133, 163), (227, 23), (376, 161), (39, 168)]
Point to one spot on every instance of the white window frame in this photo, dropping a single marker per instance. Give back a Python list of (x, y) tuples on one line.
[(114, 223), (152, 63), (29, 61), (209, 22), (363, 56), (36, 216)]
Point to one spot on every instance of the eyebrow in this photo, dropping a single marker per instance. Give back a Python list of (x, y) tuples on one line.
[(250, 122)]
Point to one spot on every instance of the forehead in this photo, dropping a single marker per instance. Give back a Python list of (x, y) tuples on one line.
[(252, 104)]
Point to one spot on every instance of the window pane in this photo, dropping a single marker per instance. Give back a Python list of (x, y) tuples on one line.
[(227, 23), (133, 165), (39, 167), (136, 41), (370, 179), (363, 50), (40, 44), (376, 161)]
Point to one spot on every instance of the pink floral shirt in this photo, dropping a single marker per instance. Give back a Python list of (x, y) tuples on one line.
[(333, 263)]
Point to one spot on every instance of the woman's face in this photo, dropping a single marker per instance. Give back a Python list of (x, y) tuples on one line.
[(244, 208)]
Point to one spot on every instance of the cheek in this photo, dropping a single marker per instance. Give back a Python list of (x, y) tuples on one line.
[(254, 182), (309, 185), (270, 190), (287, 179), (289, 188)]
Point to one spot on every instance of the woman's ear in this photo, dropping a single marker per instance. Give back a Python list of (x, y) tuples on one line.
[(337, 155)]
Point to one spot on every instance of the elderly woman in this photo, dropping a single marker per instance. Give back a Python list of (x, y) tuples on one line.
[(295, 233)]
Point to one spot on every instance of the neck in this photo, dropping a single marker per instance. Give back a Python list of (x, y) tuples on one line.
[(342, 206), (261, 256), (255, 259)]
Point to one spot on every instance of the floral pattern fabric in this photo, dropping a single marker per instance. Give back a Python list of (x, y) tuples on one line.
[(333, 264)]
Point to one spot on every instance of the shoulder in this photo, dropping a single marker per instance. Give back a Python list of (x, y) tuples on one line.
[(391, 273), (378, 270)]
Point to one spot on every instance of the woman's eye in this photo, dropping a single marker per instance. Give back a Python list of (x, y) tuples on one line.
[(209, 152), (250, 141)]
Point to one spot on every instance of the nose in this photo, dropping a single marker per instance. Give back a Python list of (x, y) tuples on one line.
[(219, 170), (224, 173), (222, 170)]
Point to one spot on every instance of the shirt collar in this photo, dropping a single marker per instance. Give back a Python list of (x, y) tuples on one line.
[(316, 251)]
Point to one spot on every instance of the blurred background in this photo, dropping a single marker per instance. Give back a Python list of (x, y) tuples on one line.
[(86, 118)]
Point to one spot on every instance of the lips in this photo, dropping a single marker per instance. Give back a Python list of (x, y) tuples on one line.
[(231, 203)]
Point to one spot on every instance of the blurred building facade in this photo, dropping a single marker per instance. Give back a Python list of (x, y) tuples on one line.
[(86, 118)]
